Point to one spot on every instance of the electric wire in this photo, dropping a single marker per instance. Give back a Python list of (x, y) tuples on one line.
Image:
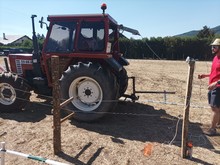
[(151, 49)]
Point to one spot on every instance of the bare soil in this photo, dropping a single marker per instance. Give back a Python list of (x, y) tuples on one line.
[(122, 136)]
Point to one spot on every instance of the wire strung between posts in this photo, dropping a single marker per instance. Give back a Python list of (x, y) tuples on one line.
[(151, 49), (177, 124), (139, 101)]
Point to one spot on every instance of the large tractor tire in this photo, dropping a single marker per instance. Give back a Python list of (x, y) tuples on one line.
[(14, 92), (94, 90), (123, 81)]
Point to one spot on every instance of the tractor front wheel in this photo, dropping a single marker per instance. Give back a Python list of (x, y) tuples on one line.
[(14, 92), (93, 88)]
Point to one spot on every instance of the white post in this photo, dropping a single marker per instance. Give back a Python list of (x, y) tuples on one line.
[(2, 153)]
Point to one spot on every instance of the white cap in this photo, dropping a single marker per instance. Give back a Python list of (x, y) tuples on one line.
[(216, 42)]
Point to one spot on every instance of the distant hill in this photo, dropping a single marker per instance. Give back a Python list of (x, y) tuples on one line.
[(195, 32)]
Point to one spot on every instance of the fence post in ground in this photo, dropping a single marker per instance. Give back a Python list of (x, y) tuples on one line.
[(56, 105), (191, 63), (2, 162)]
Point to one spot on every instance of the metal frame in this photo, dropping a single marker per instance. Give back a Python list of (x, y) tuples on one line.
[(133, 96)]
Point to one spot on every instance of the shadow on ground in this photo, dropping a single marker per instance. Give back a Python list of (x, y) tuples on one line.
[(75, 159), (135, 121), (34, 111), (132, 121)]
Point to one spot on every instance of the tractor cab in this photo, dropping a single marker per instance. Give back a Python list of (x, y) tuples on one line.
[(82, 34), (87, 37)]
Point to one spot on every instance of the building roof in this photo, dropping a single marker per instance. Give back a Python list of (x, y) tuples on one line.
[(8, 39)]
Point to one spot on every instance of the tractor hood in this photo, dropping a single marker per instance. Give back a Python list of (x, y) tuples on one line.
[(20, 63)]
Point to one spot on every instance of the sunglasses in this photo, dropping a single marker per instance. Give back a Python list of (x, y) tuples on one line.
[(215, 47)]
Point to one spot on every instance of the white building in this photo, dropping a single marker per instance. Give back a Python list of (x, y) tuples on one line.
[(13, 39)]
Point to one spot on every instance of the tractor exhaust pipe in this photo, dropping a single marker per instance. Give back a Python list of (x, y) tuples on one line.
[(6, 65), (34, 37), (36, 53)]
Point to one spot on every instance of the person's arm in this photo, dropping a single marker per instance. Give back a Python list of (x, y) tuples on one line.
[(201, 76)]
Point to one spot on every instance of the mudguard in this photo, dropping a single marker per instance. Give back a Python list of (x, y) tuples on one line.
[(123, 61), (114, 64)]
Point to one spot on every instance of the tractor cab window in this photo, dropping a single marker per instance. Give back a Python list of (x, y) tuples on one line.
[(61, 38), (91, 36)]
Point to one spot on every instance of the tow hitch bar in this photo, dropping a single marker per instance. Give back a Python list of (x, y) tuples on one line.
[(133, 96)]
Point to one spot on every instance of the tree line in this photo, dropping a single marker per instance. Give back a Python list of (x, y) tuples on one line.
[(171, 48)]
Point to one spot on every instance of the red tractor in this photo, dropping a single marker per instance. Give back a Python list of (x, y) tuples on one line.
[(90, 64)]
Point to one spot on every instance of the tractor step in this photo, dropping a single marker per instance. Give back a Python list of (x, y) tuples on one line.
[(39, 81), (41, 86)]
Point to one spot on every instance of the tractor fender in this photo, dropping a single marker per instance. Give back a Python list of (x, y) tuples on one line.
[(123, 61), (114, 64), (2, 69)]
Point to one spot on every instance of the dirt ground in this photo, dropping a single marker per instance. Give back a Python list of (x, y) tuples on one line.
[(122, 135)]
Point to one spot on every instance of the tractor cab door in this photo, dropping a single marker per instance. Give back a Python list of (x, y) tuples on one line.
[(60, 41), (61, 38)]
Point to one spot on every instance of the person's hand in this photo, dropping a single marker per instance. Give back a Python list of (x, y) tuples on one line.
[(201, 76), (212, 85)]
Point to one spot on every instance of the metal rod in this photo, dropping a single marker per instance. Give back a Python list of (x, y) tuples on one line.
[(66, 102), (159, 92), (133, 80), (165, 96), (67, 117)]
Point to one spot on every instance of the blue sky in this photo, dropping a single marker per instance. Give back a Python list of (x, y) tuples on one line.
[(153, 18)]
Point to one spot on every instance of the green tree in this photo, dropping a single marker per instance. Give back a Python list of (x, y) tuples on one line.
[(206, 33), (27, 44)]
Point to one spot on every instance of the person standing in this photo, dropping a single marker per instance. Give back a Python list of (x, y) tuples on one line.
[(214, 88)]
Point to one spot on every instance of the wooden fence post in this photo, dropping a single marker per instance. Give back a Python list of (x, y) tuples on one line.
[(56, 105), (191, 63)]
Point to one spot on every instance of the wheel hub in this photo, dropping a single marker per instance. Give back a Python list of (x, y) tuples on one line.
[(7, 94), (88, 92)]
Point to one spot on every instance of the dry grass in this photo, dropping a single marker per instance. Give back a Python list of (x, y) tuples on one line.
[(121, 136)]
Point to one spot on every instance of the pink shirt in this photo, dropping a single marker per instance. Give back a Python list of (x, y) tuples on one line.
[(215, 71)]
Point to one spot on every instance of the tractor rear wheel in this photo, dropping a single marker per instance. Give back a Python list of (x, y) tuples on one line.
[(94, 90), (14, 92)]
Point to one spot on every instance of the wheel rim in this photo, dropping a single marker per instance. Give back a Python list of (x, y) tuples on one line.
[(7, 94), (87, 94)]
